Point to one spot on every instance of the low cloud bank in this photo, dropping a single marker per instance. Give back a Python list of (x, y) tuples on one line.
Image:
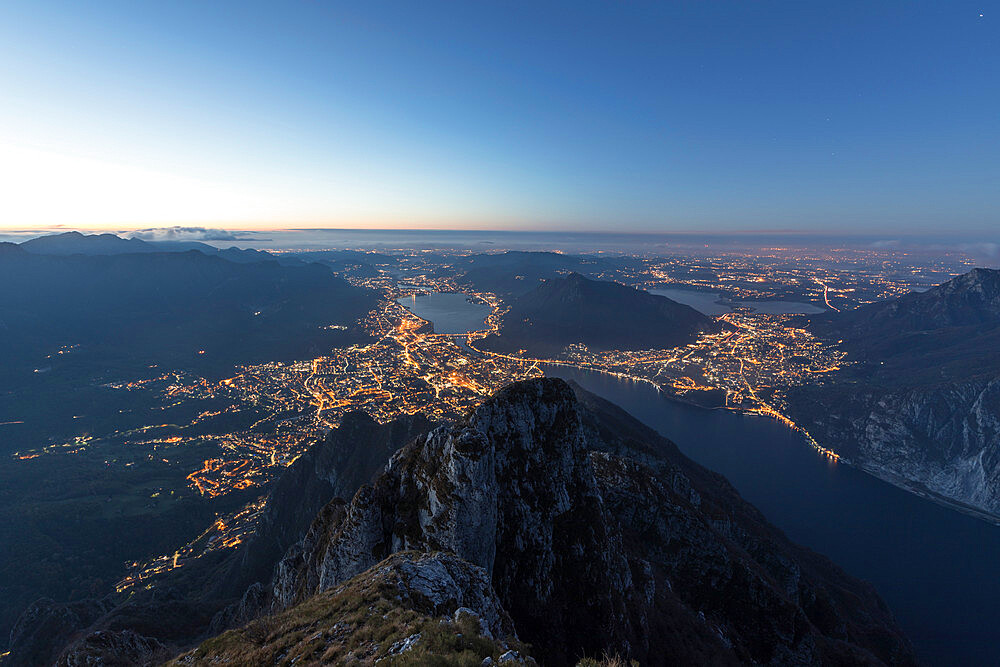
[(184, 234)]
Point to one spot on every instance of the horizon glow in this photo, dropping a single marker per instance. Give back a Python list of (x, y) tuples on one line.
[(713, 117)]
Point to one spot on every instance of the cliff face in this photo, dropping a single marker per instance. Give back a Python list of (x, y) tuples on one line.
[(921, 404), (348, 457), (597, 535), (944, 438)]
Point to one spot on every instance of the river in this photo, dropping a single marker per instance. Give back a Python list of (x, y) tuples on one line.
[(935, 567)]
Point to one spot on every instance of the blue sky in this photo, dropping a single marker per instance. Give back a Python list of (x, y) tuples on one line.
[(622, 116)]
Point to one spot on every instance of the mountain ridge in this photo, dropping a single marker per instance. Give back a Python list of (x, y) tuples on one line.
[(528, 490)]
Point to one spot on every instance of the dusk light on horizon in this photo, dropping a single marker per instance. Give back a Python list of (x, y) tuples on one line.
[(857, 117)]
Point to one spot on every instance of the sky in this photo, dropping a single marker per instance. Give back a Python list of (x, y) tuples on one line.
[(813, 117)]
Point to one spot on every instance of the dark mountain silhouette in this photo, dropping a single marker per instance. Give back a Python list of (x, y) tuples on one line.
[(167, 307), (969, 300), (514, 273), (601, 315), (75, 243)]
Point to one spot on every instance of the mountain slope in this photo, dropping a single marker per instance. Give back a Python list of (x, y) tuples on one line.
[(208, 595), (515, 272), (347, 458), (920, 405), (75, 243), (165, 307), (597, 535), (601, 315)]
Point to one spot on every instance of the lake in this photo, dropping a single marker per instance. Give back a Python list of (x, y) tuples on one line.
[(705, 303), (451, 312)]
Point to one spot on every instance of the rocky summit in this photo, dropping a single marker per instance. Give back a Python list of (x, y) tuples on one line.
[(596, 537)]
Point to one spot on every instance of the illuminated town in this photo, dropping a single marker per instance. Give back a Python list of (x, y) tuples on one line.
[(405, 368)]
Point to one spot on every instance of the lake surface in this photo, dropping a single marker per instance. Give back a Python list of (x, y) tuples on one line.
[(451, 313), (936, 568), (705, 303)]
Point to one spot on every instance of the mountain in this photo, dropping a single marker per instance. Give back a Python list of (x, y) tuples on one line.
[(920, 404), (166, 307), (515, 272), (969, 300), (596, 534), (601, 315), (75, 243)]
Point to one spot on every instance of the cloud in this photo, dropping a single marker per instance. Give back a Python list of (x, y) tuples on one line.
[(988, 250), (184, 234), (893, 243)]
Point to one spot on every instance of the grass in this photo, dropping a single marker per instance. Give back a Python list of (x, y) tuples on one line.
[(607, 661), (356, 623)]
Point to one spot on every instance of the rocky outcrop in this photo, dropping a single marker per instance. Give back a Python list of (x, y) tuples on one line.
[(104, 647), (413, 606), (528, 512), (46, 626), (349, 456), (597, 536)]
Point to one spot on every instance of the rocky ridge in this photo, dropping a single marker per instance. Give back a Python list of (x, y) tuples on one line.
[(597, 535), (407, 609)]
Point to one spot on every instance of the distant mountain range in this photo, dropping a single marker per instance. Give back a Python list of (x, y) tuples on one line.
[(515, 273), (547, 516), (75, 243), (166, 307), (599, 314), (920, 404)]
